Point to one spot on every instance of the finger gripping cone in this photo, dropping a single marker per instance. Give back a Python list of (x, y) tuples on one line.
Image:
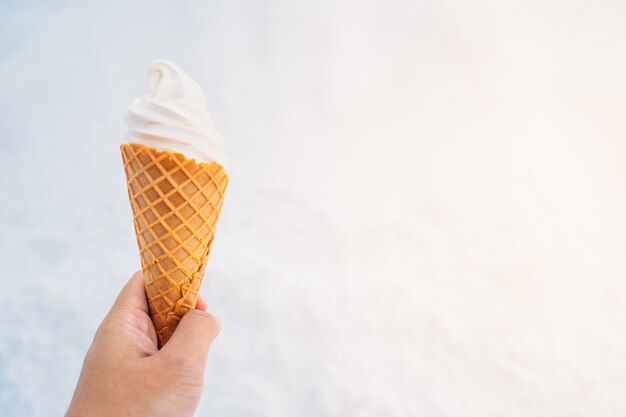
[(176, 203)]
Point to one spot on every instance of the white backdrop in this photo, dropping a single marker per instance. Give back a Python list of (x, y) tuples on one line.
[(425, 216)]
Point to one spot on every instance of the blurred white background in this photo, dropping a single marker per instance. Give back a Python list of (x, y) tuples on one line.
[(425, 216)]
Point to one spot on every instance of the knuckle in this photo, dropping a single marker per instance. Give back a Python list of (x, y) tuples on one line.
[(179, 360), (171, 356), (203, 319)]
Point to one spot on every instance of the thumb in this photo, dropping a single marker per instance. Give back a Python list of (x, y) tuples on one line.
[(133, 295), (193, 337)]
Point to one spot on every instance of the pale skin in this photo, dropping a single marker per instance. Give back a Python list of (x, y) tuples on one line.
[(125, 375)]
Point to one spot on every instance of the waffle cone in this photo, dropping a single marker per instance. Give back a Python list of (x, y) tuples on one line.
[(176, 203)]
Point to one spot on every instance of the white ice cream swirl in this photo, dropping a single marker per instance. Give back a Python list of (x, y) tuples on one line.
[(172, 116)]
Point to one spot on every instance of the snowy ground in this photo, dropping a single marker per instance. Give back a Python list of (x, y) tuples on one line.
[(426, 210)]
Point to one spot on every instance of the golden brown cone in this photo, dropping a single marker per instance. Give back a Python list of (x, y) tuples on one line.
[(176, 203)]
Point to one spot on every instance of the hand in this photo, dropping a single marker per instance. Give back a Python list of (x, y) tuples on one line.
[(125, 375)]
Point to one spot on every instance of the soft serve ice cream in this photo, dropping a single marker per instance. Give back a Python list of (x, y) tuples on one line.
[(176, 182), (172, 116)]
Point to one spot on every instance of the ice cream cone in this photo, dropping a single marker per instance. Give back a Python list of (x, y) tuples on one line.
[(176, 203)]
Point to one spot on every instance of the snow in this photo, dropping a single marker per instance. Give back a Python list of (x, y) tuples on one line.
[(425, 216)]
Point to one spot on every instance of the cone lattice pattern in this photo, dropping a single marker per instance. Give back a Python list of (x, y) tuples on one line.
[(176, 203)]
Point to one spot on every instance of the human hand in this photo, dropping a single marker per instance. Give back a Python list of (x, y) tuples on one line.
[(125, 375)]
